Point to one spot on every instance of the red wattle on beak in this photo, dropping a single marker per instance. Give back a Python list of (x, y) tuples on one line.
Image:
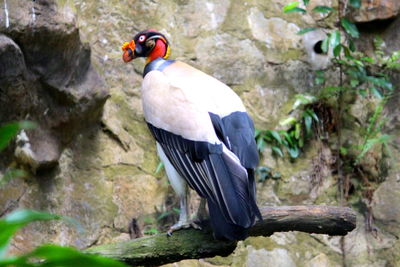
[(126, 56), (128, 48)]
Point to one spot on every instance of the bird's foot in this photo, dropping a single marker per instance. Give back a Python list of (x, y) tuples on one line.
[(183, 225)]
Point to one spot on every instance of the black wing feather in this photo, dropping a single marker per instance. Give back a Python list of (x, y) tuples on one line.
[(238, 128), (215, 175)]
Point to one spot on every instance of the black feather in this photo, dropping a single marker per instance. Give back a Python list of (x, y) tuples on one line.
[(238, 129), (215, 174)]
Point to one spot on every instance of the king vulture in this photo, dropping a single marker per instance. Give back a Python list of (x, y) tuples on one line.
[(203, 135)]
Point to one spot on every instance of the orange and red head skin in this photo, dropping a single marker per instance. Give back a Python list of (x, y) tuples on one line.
[(149, 43)]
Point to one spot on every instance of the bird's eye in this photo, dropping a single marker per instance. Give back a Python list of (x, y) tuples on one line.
[(142, 38)]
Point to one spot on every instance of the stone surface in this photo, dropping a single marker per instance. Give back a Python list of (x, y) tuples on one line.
[(376, 10), (59, 56), (315, 56), (275, 257), (48, 76), (277, 35), (386, 194)]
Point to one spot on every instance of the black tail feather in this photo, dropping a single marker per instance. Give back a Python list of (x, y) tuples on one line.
[(222, 229), (252, 193)]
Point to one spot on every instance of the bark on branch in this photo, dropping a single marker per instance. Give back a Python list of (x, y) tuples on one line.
[(195, 244)]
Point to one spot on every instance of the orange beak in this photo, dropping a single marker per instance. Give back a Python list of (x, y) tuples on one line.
[(129, 51)]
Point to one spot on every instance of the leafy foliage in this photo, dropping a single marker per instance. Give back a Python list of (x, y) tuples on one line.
[(293, 7), (299, 131), (265, 173), (160, 166), (362, 76), (16, 220), (322, 9), (57, 256), (45, 255)]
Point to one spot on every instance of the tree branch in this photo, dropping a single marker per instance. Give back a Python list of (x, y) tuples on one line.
[(195, 244)]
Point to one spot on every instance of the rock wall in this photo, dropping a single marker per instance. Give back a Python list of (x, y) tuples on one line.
[(94, 159)]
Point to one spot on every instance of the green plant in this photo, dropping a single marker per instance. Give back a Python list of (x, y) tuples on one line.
[(45, 255), (298, 133), (160, 166), (362, 76), (265, 173)]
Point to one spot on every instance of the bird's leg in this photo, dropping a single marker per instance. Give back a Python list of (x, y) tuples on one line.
[(184, 221), (181, 189)]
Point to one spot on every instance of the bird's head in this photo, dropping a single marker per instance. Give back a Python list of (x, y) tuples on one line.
[(149, 43)]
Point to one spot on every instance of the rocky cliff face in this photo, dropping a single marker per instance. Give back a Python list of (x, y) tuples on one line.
[(94, 159)]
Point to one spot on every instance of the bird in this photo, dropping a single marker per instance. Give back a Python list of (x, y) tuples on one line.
[(204, 136)]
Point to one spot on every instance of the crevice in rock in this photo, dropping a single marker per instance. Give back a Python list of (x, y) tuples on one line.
[(12, 204), (138, 167), (107, 130)]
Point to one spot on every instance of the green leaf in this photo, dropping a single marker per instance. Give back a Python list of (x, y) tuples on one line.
[(381, 82), (347, 51), (305, 2), (362, 92), (322, 9), (303, 99), (305, 30), (351, 44), (294, 152), (297, 9), (63, 256), (395, 56), (151, 231), (261, 145), (276, 136), (325, 45), (288, 138), (16, 220), (334, 39), (264, 173), (308, 124), (277, 150), (160, 166), (312, 114), (343, 151), (368, 59), (358, 62), (319, 77), (297, 130), (10, 130), (376, 92), (354, 83), (355, 3), (337, 50), (288, 121), (350, 27), (290, 6), (301, 142), (383, 139)]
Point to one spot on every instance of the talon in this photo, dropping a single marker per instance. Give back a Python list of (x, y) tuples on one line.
[(195, 226), (181, 225)]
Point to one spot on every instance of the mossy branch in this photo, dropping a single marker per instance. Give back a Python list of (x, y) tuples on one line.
[(195, 244)]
